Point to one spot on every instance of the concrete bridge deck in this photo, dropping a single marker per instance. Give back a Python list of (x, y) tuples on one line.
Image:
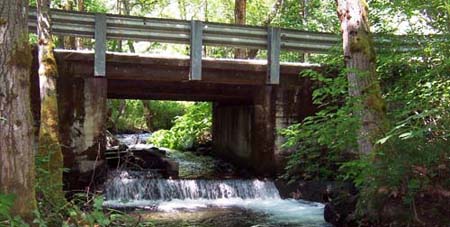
[(167, 78)]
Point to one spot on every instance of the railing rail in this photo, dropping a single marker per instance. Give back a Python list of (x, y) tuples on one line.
[(178, 31), (195, 33)]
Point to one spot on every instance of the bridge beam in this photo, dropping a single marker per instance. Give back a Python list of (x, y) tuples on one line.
[(214, 71)]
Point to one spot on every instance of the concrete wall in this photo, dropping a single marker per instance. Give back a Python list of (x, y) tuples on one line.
[(292, 105), (248, 134), (82, 104), (232, 128), (82, 115), (243, 134)]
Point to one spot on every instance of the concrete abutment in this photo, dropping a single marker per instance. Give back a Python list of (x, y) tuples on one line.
[(248, 134), (82, 103)]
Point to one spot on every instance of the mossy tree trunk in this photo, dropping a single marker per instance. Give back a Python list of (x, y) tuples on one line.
[(359, 56), (49, 144), (16, 125)]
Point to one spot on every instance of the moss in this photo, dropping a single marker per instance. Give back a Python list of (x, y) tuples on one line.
[(49, 145), (49, 61), (50, 65), (21, 55), (363, 43), (3, 21), (376, 103)]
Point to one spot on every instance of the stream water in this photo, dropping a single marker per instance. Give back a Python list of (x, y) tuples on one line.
[(208, 203)]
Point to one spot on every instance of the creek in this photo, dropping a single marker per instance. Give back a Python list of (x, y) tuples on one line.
[(206, 202)]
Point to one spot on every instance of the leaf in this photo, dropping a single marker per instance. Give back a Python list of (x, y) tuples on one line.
[(6, 203), (383, 140), (406, 135), (98, 203)]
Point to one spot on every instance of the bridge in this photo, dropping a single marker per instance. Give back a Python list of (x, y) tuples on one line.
[(252, 98)]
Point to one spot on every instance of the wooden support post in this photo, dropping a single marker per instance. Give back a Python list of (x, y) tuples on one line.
[(195, 72), (273, 55), (100, 45)]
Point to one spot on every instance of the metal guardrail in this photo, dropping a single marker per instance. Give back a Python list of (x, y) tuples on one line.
[(178, 31), (196, 33)]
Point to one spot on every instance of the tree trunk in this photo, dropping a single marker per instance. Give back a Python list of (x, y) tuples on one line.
[(182, 9), (148, 115), (205, 48), (239, 18), (69, 41), (79, 41), (16, 125), (303, 57), (359, 57), (49, 144), (273, 13)]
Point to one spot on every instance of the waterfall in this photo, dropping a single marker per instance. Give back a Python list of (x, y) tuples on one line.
[(144, 190), (126, 188)]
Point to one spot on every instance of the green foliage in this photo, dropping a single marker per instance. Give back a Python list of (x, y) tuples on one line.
[(410, 164), (132, 115), (96, 6), (412, 161), (6, 218), (81, 210), (48, 208), (316, 15), (164, 112), (324, 141), (192, 128)]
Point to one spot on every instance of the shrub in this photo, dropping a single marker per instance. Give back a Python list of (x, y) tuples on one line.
[(192, 128)]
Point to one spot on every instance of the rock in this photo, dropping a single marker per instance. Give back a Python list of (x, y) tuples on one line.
[(144, 159), (341, 204), (317, 191), (341, 211), (340, 198), (111, 140), (172, 168), (122, 147), (159, 152)]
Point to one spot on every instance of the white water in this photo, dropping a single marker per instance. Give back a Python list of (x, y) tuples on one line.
[(133, 139), (174, 195)]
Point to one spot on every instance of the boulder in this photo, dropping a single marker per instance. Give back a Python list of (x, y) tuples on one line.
[(136, 158), (315, 190)]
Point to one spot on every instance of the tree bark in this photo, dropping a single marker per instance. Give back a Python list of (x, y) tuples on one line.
[(359, 57), (16, 124), (239, 18), (49, 144)]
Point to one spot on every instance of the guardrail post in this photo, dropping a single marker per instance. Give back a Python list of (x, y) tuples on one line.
[(100, 45), (196, 50), (273, 55)]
